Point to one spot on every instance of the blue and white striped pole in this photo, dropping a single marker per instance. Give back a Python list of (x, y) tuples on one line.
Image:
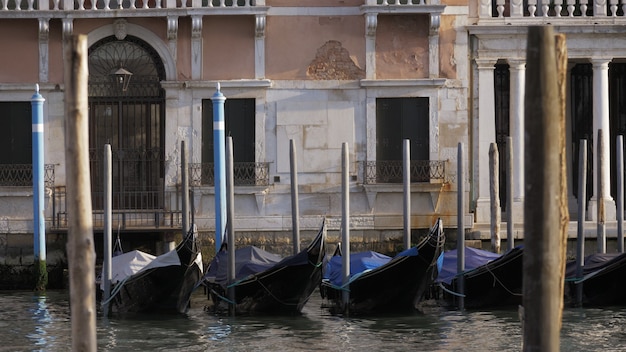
[(219, 162), (41, 276)]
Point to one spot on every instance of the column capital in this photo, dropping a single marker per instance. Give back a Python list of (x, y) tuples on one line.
[(371, 23), (435, 22), (196, 26), (259, 30), (600, 62), (516, 63), (172, 27), (486, 63)]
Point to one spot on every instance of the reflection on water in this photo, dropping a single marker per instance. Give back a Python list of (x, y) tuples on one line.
[(42, 323)]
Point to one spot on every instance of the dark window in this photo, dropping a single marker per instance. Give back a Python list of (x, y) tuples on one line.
[(16, 133), (502, 89), (239, 117), (16, 158), (617, 115), (398, 119), (581, 100), (238, 124)]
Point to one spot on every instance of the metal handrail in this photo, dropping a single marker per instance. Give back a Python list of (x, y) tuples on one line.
[(245, 174), (390, 171)]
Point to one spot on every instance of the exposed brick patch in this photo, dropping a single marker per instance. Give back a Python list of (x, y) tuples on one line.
[(333, 62)]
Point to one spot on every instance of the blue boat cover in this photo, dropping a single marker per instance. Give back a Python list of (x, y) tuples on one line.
[(473, 258), (248, 261), (359, 263)]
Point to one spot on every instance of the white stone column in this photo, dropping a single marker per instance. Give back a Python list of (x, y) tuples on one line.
[(259, 47), (433, 46), (371, 23), (517, 70), (196, 47), (601, 121), (172, 35), (44, 38), (486, 134)]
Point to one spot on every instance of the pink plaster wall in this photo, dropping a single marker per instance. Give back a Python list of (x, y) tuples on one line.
[(447, 41), (292, 43), (55, 52), (228, 47), (314, 3), (19, 57), (183, 50), (402, 47)]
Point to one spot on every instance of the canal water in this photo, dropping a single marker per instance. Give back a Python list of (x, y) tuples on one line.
[(42, 323)]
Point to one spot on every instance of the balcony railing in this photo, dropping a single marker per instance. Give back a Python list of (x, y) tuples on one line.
[(391, 171), (244, 173), (21, 175), (106, 5), (139, 5), (131, 210), (551, 10)]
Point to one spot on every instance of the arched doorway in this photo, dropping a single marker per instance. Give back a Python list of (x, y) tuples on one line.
[(128, 113)]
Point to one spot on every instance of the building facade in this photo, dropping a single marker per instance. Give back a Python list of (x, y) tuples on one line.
[(369, 73), (319, 73), (595, 88)]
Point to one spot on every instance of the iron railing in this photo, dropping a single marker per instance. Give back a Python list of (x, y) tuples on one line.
[(244, 173), (143, 215), (21, 175), (391, 171)]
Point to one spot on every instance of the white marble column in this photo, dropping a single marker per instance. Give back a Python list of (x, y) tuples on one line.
[(44, 38), (433, 46), (486, 134), (196, 47), (517, 71), (601, 121), (371, 23), (259, 47), (172, 35)]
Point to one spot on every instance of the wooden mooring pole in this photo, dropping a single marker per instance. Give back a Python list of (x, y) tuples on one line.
[(601, 211), (582, 202), (619, 165), (230, 222), (544, 129), (494, 192), (510, 240), (345, 227), (80, 247), (295, 206), (460, 237), (406, 194)]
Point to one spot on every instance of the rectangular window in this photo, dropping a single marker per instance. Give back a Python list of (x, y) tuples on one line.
[(16, 158), (239, 123), (398, 119)]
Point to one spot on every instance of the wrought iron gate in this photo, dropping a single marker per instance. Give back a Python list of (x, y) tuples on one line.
[(126, 110)]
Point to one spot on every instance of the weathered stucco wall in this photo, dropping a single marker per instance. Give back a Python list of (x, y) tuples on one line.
[(228, 47), (402, 47), (314, 3), (447, 46), (19, 39), (290, 54)]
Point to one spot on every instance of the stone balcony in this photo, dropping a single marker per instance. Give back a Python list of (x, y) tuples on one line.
[(168, 8), (555, 12)]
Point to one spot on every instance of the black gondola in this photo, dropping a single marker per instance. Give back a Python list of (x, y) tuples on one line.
[(602, 280), (496, 282), (266, 284), (164, 285), (384, 285)]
